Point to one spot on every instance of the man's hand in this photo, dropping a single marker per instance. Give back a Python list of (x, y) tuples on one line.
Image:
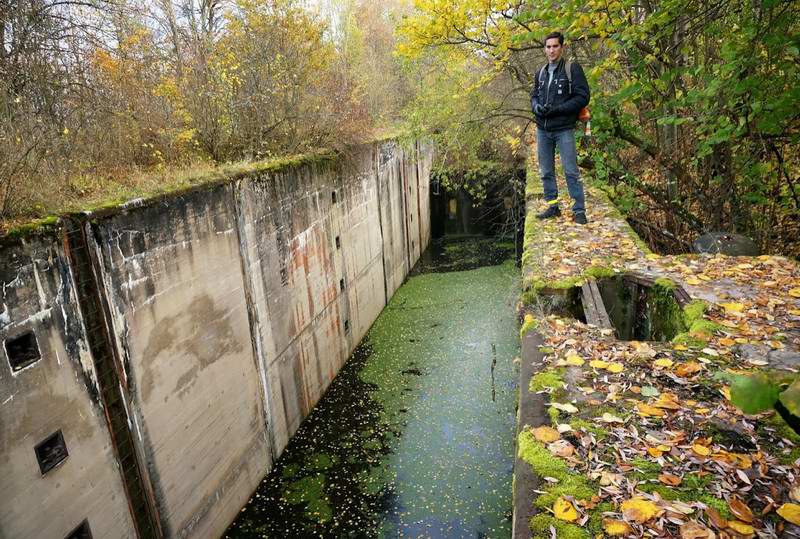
[(554, 110), (542, 110)]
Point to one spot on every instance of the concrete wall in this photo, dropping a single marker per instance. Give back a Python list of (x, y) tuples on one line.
[(56, 392), (230, 309)]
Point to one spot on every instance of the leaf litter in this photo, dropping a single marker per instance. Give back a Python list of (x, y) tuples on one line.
[(667, 453)]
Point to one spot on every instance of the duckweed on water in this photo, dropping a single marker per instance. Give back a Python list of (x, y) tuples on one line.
[(415, 435)]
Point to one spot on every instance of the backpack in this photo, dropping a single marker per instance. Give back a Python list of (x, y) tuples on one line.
[(583, 115)]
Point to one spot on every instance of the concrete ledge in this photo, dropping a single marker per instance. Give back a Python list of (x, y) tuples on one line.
[(531, 413)]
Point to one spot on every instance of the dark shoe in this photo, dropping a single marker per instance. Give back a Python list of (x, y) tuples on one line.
[(549, 213), (580, 218)]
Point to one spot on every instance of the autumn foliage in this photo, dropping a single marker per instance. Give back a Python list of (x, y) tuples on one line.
[(95, 94)]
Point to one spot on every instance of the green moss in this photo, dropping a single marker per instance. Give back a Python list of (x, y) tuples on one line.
[(544, 464), (578, 424), (38, 226), (553, 414), (599, 272), (688, 495), (688, 340), (666, 315), (529, 324), (645, 469), (549, 379), (541, 523), (694, 311), (665, 283), (778, 428), (595, 524)]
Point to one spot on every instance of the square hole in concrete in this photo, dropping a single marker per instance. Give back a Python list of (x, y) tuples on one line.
[(565, 303), (22, 350), (338, 242), (51, 452), (81, 532), (341, 285), (642, 309)]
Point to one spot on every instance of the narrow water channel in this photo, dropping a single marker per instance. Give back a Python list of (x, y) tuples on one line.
[(415, 436)]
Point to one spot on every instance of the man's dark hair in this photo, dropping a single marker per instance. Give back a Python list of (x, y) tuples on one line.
[(558, 35)]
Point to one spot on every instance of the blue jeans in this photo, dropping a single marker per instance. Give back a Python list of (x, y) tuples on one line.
[(546, 142)]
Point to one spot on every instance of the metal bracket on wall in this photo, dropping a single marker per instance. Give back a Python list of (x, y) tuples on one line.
[(95, 316)]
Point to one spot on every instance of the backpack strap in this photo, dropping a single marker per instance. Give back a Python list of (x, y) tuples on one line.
[(568, 68), (541, 72)]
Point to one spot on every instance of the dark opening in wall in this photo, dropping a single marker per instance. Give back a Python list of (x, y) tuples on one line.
[(81, 532), (51, 452), (333, 197), (643, 309), (341, 285), (565, 303), (22, 350), (338, 242), (347, 326)]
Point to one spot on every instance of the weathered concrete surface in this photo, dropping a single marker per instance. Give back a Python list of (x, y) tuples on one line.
[(57, 392), (231, 308), (176, 289)]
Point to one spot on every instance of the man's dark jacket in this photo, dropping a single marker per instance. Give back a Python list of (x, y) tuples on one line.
[(564, 106)]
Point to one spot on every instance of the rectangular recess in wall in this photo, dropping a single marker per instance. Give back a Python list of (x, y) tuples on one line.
[(22, 350), (338, 242), (347, 326), (83, 531), (341, 284), (51, 452), (333, 197)]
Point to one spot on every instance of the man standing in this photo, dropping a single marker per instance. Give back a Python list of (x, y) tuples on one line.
[(557, 98)]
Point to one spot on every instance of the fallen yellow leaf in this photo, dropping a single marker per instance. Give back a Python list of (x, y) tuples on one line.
[(649, 411), (726, 341), (790, 512), (663, 363), (564, 510), (740, 527), (546, 434), (732, 307), (667, 401), (529, 319), (795, 292), (687, 369), (654, 452), (639, 510), (598, 364), (693, 281), (616, 528), (574, 360), (615, 368), (701, 450)]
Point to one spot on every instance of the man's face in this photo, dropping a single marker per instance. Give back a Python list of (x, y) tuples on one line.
[(553, 49)]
